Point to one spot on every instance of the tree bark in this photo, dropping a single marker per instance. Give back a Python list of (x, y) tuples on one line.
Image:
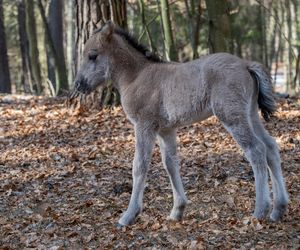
[(297, 71), (219, 26), (273, 36), (170, 49), (289, 37), (264, 36), (118, 12), (26, 77), (70, 29), (297, 22), (145, 25), (5, 84), (280, 49), (194, 11), (33, 46), (91, 15), (57, 71)]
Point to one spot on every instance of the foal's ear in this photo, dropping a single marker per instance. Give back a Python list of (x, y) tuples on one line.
[(107, 31)]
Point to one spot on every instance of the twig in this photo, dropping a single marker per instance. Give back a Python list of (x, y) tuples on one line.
[(147, 24), (279, 25)]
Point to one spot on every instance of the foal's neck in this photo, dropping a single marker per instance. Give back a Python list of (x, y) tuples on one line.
[(126, 65)]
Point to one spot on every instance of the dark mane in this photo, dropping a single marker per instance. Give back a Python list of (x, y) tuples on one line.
[(131, 40)]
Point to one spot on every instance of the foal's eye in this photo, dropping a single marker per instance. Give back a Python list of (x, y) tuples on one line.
[(93, 57)]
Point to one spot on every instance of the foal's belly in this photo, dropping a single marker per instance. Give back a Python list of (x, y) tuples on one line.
[(178, 119)]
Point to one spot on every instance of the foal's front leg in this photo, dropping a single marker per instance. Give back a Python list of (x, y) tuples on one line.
[(145, 138)]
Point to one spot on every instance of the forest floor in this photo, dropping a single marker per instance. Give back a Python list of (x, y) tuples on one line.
[(65, 179)]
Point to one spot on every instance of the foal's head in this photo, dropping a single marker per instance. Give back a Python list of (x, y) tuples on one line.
[(108, 43), (94, 68)]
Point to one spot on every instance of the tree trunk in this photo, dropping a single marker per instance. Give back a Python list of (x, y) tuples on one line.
[(261, 36), (70, 29), (91, 15), (5, 84), (264, 36), (145, 25), (289, 38), (297, 22), (118, 12), (33, 46), (57, 71), (297, 71), (194, 11), (171, 53), (273, 37), (26, 77), (280, 48), (219, 26), (49, 54)]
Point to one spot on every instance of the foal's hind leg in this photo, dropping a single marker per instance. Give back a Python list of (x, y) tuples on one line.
[(255, 150), (167, 143), (280, 195)]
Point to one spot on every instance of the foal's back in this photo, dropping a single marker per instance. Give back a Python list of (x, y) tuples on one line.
[(187, 92)]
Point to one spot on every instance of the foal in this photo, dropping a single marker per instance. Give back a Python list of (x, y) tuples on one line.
[(159, 97)]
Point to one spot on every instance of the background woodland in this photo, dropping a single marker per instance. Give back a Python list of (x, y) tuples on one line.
[(65, 174), (41, 41)]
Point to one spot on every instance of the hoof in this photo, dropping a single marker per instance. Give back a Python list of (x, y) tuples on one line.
[(128, 218), (126, 222), (279, 211), (262, 213), (119, 226), (277, 215), (176, 215), (170, 218)]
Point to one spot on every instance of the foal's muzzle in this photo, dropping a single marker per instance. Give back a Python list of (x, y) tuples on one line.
[(82, 86), (80, 90)]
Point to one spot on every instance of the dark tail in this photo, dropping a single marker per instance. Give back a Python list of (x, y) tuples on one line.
[(266, 101)]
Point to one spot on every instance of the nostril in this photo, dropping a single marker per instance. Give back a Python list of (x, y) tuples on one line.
[(77, 84), (81, 85)]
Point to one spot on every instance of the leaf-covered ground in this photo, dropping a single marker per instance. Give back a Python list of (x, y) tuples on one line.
[(65, 179)]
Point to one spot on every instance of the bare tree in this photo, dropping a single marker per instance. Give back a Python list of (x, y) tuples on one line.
[(219, 25), (194, 11), (57, 71), (297, 23), (171, 53), (289, 45), (145, 25), (70, 29), (26, 77), (33, 46), (91, 15), (5, 84)]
